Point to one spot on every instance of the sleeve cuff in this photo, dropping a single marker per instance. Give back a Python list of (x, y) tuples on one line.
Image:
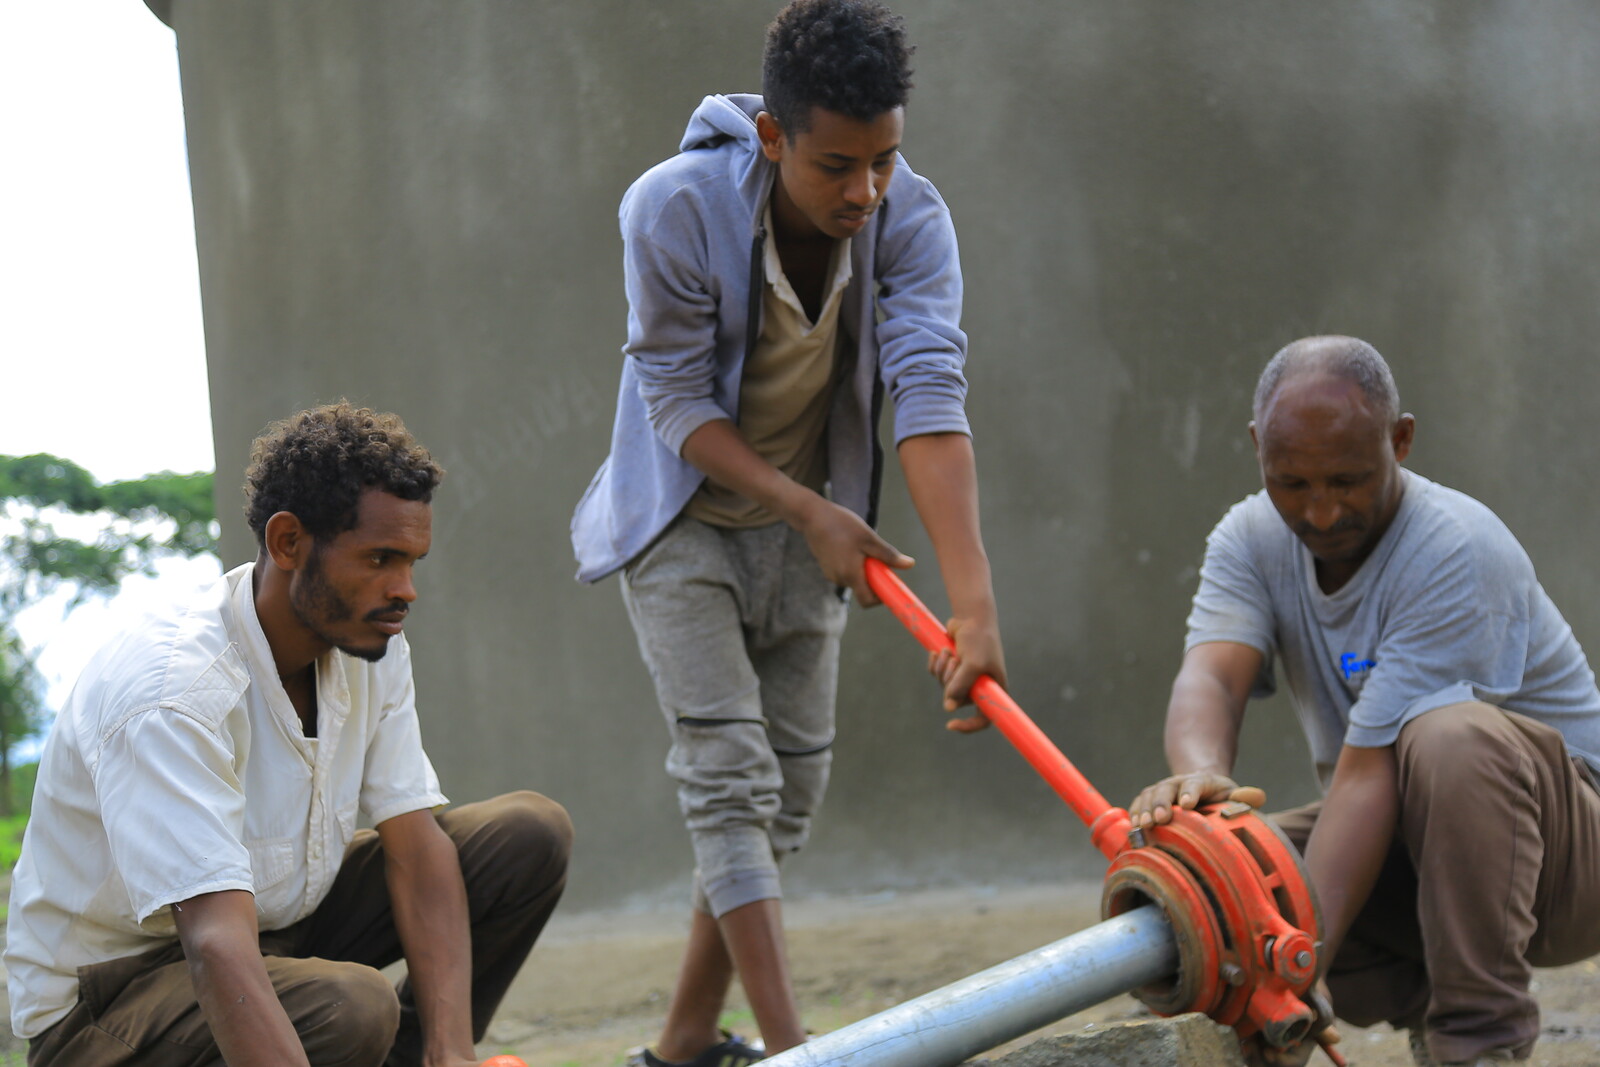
[(676, 426), (1232, 637), (153, 904), (387, 811)]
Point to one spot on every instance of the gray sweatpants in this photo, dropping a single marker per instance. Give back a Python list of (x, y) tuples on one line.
[(740, 632)]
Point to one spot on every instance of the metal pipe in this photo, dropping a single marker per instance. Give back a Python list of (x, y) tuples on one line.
[(950, 1025)]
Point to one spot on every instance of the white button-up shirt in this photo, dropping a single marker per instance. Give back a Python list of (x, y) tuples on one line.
[(179, 767)]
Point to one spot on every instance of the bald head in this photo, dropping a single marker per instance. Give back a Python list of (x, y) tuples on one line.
[(1346, 359)]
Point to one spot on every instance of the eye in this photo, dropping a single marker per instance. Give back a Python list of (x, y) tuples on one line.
[(831, 168)]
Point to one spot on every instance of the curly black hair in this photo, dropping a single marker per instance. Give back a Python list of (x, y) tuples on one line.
[(315, 465), (847, 56)]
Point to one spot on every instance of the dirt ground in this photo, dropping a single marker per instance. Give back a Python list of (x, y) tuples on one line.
[(597, 984)]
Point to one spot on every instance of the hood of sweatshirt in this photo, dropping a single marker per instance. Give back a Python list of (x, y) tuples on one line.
[(720, 120), (723, 118)]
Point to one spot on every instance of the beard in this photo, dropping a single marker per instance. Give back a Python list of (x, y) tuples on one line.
[(318, 605)]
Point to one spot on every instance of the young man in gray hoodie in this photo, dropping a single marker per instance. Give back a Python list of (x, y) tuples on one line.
[(784, 272)]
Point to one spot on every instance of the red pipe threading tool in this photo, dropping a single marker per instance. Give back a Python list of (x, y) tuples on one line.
[(1231, 885)]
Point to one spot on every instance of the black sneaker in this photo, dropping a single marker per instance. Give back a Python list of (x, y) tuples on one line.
[(731, 1051)]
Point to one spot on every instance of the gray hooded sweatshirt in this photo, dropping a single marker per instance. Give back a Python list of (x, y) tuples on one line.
[(692, 239)]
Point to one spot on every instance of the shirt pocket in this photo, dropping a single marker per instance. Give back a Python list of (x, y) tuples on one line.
[(271, 861)]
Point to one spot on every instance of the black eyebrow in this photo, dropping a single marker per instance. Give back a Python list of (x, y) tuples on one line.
[(390, 552), (843, 158)]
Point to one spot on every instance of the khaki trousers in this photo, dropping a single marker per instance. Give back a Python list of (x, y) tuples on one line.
[(141, 1010), (1495, 869)]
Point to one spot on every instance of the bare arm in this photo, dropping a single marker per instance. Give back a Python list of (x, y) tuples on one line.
[(1204, 714), (1352, 837), (942, 476), (838, 537), (429, 900), (222, 945)]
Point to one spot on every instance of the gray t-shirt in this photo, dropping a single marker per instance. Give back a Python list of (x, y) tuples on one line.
[(1445, 610)]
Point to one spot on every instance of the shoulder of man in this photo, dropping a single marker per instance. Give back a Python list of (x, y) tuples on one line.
[(1446, 523), (911, 203), (1253, 525), (717, 170), (180, 656)]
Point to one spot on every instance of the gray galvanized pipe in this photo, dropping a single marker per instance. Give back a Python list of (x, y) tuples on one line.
[(953, 1024)]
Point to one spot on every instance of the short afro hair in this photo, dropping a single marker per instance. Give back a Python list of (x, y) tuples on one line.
[(847, 56), (317, 463)]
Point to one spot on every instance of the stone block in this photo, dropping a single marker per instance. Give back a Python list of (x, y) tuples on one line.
[(1182, 1041)]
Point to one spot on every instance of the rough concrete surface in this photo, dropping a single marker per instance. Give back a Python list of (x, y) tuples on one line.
[(1181, 1041)]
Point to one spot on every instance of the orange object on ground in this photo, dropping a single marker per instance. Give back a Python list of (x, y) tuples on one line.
[(503, 1061), (1229, 882)]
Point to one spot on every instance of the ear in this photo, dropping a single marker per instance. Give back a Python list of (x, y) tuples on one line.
[(1255, 442), (771, 134), (288, 542), (1405, 430)]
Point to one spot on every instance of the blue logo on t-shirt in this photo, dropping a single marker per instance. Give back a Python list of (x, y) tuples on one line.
[(1352, 665)]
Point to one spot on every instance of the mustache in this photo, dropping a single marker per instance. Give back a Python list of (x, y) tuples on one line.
[(1305, 529), (396, 611)]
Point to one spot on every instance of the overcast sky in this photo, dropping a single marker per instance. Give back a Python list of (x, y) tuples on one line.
[(102, 358), (100, 339)]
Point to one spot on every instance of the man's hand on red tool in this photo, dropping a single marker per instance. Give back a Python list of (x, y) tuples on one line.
[(977, 653), (840, 540), (1154, 804)]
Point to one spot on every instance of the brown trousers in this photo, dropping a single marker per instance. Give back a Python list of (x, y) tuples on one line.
[(1495, 869), (141, 1010)]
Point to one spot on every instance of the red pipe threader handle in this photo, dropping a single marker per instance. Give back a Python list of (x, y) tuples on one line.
[(1068, 782)]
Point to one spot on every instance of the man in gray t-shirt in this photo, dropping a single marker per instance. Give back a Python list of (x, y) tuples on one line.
[(1452, 717)]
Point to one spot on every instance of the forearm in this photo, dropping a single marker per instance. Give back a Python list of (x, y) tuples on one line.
[(429, 900), (1351, 839), (942, 475), (719, 451), (231, 983), (1202, 731), (838, 538), (1204, 715)]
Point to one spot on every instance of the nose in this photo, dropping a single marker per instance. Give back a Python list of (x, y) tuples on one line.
[(1324, 511), (403, 588), (862, 190)]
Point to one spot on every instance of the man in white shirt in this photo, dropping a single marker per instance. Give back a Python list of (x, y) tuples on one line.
[(193, 887)]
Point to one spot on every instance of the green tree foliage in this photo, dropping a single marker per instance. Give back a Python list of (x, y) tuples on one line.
[(135, 523), (21, 705)]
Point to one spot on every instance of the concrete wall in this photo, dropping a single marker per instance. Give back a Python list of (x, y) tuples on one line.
[(413, 204)]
